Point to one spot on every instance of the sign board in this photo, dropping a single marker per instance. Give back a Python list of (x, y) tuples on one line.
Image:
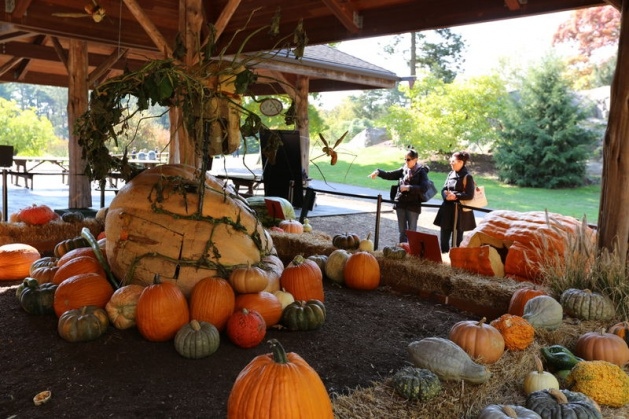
[(425, 246)]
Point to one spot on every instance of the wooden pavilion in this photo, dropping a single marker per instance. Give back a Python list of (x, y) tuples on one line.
[(80, 43)]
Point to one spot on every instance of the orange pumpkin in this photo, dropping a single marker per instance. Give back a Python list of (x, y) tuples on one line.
[(285, 378), (37, 215), (161, 311), (480, 340), (303, 279), (362, 271), (291, 226), (483, 260), (602, 346), (265, 303), (16, 260), (79, 265), (246, 328), (249, 279), (520, 297), (84, 289), (517, 333), (75, 253), (212, 300), (122, 305)]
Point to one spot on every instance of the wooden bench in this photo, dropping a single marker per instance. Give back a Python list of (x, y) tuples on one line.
[(28, 176), (249, 182)]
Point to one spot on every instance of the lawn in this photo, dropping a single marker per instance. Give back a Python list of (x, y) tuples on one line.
[(575, 202)]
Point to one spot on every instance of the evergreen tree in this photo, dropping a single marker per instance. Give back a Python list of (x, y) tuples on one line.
[(543, 143)]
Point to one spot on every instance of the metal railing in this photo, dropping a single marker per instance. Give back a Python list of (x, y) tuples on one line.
[(311, 193)]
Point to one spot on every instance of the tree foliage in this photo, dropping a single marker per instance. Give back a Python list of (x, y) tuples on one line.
[(594, 34), (543, 143), (27, 132), (445, 117)]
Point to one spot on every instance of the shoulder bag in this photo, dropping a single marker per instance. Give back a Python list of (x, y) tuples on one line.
[(431, 191), (479, 200)]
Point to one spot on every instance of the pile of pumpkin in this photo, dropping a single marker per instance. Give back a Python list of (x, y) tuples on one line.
[(589, 375), (77, 285)]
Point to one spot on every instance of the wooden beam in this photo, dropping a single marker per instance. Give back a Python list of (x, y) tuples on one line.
[(225, 17), (21, 6), (343, 11), (613, 224), (105, 66), (21, 70), (61, 53), (9, 64), (512, 5), (11, 36), (148, 26), (80, 191)]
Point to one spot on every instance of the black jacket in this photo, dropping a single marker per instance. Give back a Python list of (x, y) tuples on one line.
[(445, 215), (417, 178)]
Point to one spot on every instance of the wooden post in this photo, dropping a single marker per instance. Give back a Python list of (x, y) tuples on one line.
[(613, 223), (80, 195), (302, 86)]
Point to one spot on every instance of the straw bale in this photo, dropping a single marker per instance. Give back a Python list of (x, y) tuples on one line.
[(45, 237)]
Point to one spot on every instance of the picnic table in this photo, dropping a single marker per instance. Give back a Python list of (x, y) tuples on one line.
[(26, 167)]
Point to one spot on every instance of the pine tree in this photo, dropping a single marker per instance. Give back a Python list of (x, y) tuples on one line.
[(543, 143)]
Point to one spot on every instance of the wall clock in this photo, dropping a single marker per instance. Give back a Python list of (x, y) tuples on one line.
[(271, 106)]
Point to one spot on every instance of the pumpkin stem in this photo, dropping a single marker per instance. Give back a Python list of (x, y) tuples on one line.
[(538, 364), (89, 237), (279, 354), (558, 395), (482, 321), (194, 324), (508, 410), (298, 260)]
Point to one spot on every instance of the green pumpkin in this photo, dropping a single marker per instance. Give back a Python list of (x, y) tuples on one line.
[(83, 324), (393, 252), (565, 404), (304, 315), (197, 340), (346, 241), (65, 246), (35, 298), (72, 217), (416, 383), (587, 305), (543, 312), (320, 260)]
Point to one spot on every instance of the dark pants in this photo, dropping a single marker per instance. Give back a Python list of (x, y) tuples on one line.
[(446, 235)]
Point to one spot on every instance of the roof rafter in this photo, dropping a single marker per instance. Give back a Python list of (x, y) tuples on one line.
[(344, 12)]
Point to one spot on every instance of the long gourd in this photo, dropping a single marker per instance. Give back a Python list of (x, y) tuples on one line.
[(447, 360)]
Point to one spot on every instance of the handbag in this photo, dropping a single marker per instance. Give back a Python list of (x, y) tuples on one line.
[(479, 200), (431, 191)]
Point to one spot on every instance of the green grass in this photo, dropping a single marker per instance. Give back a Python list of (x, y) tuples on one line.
[(575, 202)]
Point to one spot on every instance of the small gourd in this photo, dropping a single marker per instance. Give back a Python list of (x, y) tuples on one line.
[(72, 217), (246, 328), (621, 329), (416, 383), (507, 411), (553, 403), (307, 227), (320, 260), (517, 333), (291, 226), (197, 340), (391, 252), (539, 379), (65, 246), (587, 305), (284, 297), (602, 381), (543, 312), (446, 359), (366, 244)]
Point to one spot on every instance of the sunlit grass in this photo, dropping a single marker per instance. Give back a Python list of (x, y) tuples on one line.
[(575, 202)]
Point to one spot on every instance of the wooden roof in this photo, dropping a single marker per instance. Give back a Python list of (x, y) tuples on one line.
[(34, 34)]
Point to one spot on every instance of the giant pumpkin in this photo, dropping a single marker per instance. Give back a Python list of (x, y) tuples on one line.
[(155, 225)]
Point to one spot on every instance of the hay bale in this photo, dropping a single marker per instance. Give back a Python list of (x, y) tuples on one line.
[(45, 237)]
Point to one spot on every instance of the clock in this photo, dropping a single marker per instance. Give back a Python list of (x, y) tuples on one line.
[(271, 106)]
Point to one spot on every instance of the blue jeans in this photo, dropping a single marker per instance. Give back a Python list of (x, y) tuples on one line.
[(406, 220)]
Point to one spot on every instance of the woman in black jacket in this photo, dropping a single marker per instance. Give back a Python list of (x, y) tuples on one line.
[(412, 180), (459, 185)]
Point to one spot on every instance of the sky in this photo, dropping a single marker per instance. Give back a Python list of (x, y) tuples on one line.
[(522, 41)]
